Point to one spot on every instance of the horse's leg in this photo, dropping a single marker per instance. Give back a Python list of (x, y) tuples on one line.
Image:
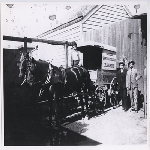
[(56, 106), (82, 105), (40, 111), (86, 102), (50, 106), (57, 94), (94, 97)]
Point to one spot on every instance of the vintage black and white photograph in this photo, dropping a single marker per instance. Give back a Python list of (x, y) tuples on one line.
[(75, 74)]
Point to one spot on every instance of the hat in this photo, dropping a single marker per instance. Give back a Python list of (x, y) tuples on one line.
[(131, 62), (74, 43)]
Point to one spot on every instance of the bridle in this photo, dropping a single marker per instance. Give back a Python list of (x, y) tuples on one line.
[(30, 78)]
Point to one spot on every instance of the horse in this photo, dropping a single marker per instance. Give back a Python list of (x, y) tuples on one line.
[(113, 92), (54, 83), (78, 82), (34, 74)]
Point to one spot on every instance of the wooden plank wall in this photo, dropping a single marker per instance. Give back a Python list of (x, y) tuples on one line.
[(118, 35), (70, 33), (106, 14), (52, 53)]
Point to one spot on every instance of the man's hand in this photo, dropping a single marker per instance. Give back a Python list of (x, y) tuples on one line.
[(138, 77)]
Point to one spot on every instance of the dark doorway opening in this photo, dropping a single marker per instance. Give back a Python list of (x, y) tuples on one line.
[(92, 57)]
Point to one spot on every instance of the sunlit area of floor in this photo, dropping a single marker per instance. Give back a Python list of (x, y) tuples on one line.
[(114, 127), (24, 127)]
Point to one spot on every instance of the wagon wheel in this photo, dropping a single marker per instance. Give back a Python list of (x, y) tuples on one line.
[(105, 98), (69, 103), (101, 99)]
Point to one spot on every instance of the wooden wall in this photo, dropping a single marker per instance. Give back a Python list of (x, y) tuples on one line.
[(102, 15), (106, 14), (70, 33), (128, 45)]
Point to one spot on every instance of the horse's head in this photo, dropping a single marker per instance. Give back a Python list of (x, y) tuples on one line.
[(26, 68), (39, 71), (21, 65), (30, 68), (57, 74)]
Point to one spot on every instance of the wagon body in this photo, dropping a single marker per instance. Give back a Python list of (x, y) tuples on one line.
[(100, 61)]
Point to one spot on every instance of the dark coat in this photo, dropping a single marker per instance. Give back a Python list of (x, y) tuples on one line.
[(121, 79)]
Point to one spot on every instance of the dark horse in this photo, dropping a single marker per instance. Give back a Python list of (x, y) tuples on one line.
[(53, 83), (114, 92)]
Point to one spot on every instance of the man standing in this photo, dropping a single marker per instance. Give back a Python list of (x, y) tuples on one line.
[(121, 79), (75, 55), (132, 85)]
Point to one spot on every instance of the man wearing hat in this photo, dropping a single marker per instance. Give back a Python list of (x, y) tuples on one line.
[(75, 55), (121, 79), (132, 85)]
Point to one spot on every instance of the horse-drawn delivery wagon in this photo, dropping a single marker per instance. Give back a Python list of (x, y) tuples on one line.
[(100, 61), (63, 85)]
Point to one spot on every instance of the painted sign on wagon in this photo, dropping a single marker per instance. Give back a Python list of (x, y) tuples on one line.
[(108, 61)]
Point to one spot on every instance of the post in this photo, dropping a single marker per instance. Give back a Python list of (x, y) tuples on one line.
[(25, 44), (145, 87), (66, 53), (25, 49)]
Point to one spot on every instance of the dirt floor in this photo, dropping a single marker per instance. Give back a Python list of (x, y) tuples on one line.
[(22, 127), (115, 127)]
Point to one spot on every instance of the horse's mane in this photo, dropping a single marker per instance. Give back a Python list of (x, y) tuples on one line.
[(55, 68), (41, 65), (41, 62)]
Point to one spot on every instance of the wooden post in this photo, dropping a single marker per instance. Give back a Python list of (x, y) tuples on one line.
[(25, 49), (145, 94), (145, 82), (66, 54), (25, 44)]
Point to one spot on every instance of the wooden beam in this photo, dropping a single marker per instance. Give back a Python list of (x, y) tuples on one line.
[(30, 40), (10, 38), (25, 44), (48, 41)]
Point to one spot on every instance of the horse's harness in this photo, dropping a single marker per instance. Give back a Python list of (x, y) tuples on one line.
[(52, 74)]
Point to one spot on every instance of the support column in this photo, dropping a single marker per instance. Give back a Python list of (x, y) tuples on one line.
[(66, 54), (25, 50), (25, 44)]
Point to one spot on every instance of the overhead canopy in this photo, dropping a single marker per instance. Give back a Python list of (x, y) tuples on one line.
[(92, 43)]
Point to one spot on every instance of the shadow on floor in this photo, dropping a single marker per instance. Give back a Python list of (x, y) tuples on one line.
[(21, 128)]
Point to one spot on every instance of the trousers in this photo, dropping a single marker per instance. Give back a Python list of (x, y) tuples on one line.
[(123, 97), (133, 93)]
